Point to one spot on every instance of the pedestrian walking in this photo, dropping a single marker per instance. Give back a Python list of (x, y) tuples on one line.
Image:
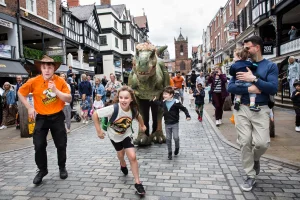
[(199, 95), (253, 127), (171, 108), (85, 87), (201, 79), (67, 108), (296, 103), (19, 80), (193, 79), (50, 93), (219, 92), (178, 82), (242, 65), (119, 131), (9, 106), (85, 106), (293, 73), (111, 87)]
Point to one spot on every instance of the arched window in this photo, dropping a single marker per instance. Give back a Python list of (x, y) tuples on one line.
[(181, 48), (182, 65)]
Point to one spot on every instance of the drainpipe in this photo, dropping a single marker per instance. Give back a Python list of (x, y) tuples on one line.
[(18, 30)]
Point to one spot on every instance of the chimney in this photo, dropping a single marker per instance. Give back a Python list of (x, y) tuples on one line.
[(73, 3), (105, 2)]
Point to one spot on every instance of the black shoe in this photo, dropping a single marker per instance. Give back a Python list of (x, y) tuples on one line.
[(237, 105), (254, 108), (39, 177), (18, 127), (124, 170), (140, 189), (176, 152), (170, 156), (63, 173), (256, 167)]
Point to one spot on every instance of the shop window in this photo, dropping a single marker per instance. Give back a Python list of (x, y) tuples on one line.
[(51, 10), (31, 5), (124, 45)]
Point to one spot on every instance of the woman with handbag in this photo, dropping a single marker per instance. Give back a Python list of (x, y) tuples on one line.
[(219, 92), (9, 106), (293, 73)]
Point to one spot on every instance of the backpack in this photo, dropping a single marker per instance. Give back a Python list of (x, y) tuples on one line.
[(105, 122)]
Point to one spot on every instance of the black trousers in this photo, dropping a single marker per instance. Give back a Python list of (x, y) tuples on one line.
[(56, 125), (145, 106), (297, 111)]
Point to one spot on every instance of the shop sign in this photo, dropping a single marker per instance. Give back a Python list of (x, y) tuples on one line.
[(268, 49), (6, 24), (56, 52)]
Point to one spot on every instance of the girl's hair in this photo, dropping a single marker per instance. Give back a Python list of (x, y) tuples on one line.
[(242, 53), (7, 83), (218, 68), (133, 104)]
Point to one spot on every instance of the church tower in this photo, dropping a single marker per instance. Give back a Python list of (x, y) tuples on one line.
[(182, 62)]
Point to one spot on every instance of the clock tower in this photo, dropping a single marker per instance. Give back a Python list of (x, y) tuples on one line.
[(182, 62)]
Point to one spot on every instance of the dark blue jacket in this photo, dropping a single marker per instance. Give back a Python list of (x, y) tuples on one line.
[(240, 66), (267, 74), (296, 99), (85, 87), (199, 99)]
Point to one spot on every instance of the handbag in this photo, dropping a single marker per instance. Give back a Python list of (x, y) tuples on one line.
[(227, 104)]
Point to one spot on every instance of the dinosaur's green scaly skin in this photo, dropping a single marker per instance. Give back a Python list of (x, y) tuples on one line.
[(148, 78)]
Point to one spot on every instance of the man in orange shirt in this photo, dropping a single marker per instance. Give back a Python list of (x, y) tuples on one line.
[(178, 82), (50, 92)]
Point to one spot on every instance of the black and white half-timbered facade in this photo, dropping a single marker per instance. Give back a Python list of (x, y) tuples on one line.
[(120, 34), (82, 29)]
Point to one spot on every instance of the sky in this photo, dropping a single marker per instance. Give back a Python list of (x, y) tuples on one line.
[(165, 17)]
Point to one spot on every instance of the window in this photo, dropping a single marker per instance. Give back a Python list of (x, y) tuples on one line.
[(181, 48), (117, 42), (124, 28), (224, 16), (131, 31), (124, 45), (51, 10), (182, 65), (116, 25), (132, 44), (136, 34), (31, 5), (88, 31), (103, 40), (230, 9)]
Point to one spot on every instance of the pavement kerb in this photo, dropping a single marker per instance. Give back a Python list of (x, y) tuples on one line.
[(220, 135), (4, 152)]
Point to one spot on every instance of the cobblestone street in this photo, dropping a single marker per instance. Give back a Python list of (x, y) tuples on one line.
[(206, 168)]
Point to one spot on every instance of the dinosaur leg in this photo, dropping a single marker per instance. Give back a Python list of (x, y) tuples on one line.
[(157, 136), (143, 138)]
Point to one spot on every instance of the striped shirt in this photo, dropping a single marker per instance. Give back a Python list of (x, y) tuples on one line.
[(218, 88)]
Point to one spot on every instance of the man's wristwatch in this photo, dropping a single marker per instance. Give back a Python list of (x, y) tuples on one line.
[(255, 80)]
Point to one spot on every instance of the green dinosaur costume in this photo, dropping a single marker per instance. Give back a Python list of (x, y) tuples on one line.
[(148, 78)]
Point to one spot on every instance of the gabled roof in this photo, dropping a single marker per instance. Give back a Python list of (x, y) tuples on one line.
[(83, 13), (141, 21), (119, 9)]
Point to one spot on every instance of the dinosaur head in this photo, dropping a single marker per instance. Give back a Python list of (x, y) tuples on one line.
[(145, 60)]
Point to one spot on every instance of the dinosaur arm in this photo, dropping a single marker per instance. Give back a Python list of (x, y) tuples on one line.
[(166, 77)]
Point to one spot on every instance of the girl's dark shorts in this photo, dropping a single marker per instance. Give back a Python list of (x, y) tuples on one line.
[(126, 143)]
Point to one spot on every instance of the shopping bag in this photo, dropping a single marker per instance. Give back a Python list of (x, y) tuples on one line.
[(227, 103)]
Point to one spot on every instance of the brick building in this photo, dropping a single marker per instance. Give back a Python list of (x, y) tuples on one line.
[(182, 62)]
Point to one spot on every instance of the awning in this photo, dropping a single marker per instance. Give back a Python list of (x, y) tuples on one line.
[(64, 69), (9, 68)]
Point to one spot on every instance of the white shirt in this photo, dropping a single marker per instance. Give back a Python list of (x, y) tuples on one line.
[(200, 80), (120, 128), (98, 104)]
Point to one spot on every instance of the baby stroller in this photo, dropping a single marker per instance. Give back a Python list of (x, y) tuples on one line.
[(75, 115)]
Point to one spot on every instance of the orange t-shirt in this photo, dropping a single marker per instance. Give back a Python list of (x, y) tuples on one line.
[(178, 81), (45, 101), (171, 82)]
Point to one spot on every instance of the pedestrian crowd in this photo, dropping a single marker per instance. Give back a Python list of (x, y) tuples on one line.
[(254, 81)]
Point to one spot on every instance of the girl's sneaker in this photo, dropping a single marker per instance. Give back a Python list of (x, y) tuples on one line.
[(297, 128), (124, 170), (140, 189), (254, 108), (83, 121), (3, 127)]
